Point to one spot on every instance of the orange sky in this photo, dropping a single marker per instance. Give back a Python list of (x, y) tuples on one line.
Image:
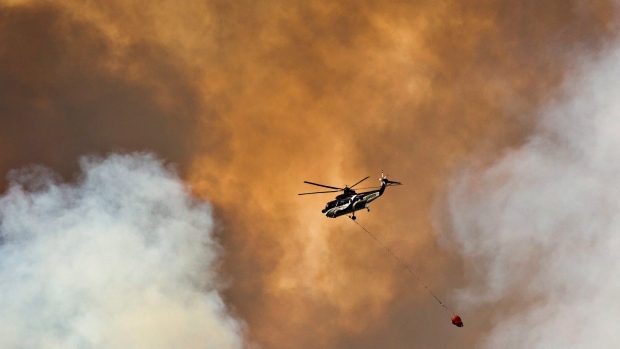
[(250, 99)]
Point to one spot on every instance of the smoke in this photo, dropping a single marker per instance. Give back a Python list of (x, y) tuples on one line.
[(539, 228), (334, 92), (124, 258), (68, 89), (252, 98)]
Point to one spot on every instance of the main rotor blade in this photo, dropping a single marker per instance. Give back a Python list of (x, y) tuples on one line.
[(321, 192), (359, 182), (322, 185), (375, 187)]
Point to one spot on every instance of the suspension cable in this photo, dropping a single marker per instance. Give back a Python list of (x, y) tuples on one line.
[(406, 267)]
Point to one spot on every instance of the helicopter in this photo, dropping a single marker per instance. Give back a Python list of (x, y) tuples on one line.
[(350, 201)]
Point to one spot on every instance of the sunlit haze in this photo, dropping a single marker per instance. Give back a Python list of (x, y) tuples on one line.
[(152, 153)]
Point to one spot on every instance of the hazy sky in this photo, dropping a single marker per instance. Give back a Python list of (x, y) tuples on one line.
[(499, 118)]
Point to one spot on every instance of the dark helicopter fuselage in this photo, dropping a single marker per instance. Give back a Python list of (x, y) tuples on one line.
[(351, 201)]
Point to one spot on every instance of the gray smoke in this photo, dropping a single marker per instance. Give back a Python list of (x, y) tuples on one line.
[(122, 259), (540, 229)]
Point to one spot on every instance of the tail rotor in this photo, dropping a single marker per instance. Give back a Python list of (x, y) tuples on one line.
[(385, 181)]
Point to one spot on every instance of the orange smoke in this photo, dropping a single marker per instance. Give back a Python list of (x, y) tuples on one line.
[(251, 99)]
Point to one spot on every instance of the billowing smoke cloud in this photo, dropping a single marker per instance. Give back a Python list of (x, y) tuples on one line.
[(125, 258), (539, 229), (251, 98)]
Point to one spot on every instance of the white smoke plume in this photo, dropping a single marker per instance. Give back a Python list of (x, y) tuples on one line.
[(122, 259), (540, 229)]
